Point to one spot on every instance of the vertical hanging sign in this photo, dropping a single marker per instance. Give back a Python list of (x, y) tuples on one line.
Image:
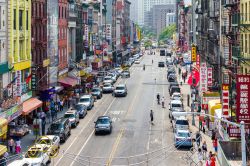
[(203, 78), (193, 53), (225, 100), (19, 83), (198, 61), (209, 76)]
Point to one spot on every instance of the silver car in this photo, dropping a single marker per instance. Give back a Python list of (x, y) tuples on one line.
[(120, 90), (103, 124), (182, 138), (73, 117), (107, 88), (87, 100)]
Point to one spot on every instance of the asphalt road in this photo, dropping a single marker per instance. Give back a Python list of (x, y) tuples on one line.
[(134, 139)]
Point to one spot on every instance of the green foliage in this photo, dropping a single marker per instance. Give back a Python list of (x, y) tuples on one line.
[(168, 32), (148, 43)]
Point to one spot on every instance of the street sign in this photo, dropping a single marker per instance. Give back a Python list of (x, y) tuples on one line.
[(33, 78), (193, 53)]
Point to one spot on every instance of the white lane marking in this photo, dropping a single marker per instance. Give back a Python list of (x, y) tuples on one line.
[(85, 143)]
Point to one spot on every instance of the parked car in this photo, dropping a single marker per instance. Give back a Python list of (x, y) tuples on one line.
[(81, 109), (101, 73), (176, 96), (21, 162), (172, 79), (162, 53), (182, 138), (180, 123), (61, 127), (87, 100), (36, 155), (73, 117), (97, 92), (125, 74), (113, 77), (175, 104), (173, 75), (175, 109), (120, 90), (103, 124), (107, 88), (108, 79), (50, 141), (172, 84), (174, 89), (161, 64), (137, 61)]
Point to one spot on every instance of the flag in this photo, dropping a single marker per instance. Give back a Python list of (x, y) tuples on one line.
[(28, 79)]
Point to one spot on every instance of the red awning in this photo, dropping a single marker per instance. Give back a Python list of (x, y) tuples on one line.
[(68, 81), (30, 105), (195, 75)]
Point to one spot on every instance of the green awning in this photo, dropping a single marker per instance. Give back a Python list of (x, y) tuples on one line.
[(4, 68)]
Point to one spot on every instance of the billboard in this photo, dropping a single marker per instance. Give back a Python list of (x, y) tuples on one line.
[(242, 99), (209, 77), (225, 100), (203, 78), (52, 36)]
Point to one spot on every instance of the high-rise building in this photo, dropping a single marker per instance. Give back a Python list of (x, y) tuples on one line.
[(136, 14)]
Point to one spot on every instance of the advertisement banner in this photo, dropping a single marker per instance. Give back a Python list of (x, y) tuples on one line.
[(225, 100), (203, 78), (209, 77), (242, 99), (234, 131), (19, 83), (193, 53), (86, 33), (108, 31)]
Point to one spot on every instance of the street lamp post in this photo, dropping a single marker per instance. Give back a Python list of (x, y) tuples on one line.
[(241, 126)]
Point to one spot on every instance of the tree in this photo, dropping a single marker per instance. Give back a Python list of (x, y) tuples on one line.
[(148, 43), (167, 33)]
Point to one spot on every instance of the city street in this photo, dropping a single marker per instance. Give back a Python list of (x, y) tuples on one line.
[(133, 135)]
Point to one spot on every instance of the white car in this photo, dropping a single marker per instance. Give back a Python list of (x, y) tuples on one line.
[(73, 117), (21, 162), (87, 100), (50, 141), (37, 155), (113, 76), (108, 79), (182, 138), (137, 61), (107, 88), (176, 96)]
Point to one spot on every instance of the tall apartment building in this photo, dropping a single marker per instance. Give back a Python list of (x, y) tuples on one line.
[(4, 76), (39, 41), (19, 43)]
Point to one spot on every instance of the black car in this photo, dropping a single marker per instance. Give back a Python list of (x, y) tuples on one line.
[(161, 64), (172, 84), (61, 127), (170, 72), (172, 79), (81, 109), (97, 92), (162, 53), (174, 89), (103, 124)]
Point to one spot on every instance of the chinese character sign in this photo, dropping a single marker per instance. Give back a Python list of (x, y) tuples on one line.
[(203, 78), (193, 53), (225, 100), (19, 83), (198, 61), (209, 76), (242, 100)]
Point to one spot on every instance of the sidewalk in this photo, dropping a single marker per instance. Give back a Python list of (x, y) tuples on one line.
[(30, 138), (185, 89)]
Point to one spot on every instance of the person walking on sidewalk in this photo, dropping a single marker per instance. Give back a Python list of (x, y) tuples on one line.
[(11, 145), (61, 105), (198, 138), (200, 156), (18, 146), (151, 116), (163, 102), (204, 150), (212, 160), (215, 145)]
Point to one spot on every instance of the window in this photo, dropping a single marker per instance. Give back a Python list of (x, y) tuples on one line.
[(20, 20), (21, 49), (62, 12), (27, 20), (14, 20), (245, 43)]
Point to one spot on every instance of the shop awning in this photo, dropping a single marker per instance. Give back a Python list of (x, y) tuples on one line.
[(68, 81), (30, 105)]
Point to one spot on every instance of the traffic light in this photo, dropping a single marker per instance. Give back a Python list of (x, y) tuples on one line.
[(33, 78)]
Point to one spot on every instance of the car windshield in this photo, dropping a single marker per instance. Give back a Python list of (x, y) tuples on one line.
[(176, 89), (102, 121), (176, 105), (183, 134), (44, 141), (79, 107), (107, 78), (84, 100), (95, 90), (69, 116), (106, 85), (120, 88), (56, 126), (182, 122), (33, 154)]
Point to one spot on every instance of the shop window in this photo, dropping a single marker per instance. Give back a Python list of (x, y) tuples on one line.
[(14, 19), (27, 20), (20, 19)]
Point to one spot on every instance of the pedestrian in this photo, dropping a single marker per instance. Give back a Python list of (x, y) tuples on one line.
[(48, 115), (198, 138), (43, 116), (204, 126), (61, 105), (69, 101), (163, 102), (200, 123), (52, 114), (18, 146), (11, 145), (151, 116), (204, 150), (212, 160), (200, 155), (43, 126), (213, 134), (179, 71), (215, 145)]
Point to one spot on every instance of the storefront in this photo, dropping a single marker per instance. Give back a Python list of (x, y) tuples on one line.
[(68, 82), (213, 105), (3, 128), (206, 97)]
